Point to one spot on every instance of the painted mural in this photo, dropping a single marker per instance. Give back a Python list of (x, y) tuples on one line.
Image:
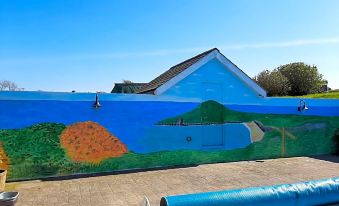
[(202, 110), (90, 142), (130, 135)]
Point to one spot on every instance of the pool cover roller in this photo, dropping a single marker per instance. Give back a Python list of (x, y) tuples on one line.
[(317, 192)]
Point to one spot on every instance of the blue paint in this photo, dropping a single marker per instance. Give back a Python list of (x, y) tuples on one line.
[(212, 136), (213, 72), (236, 135), (69, 96), (126, 120), (203, 137), (269, 101), (133, 118), (133, 122), (265, 109)]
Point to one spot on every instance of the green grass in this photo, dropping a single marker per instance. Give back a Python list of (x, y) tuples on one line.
[(326, 95), (36, 152)]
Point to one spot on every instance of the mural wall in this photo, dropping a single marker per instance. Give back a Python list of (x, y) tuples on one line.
[(44, 135)]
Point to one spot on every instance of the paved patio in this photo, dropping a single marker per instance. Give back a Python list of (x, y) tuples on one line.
[(129, 189)]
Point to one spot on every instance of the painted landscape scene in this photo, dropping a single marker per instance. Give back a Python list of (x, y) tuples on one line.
[(54, 149)]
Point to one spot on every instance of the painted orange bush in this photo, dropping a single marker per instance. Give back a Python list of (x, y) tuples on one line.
[(91, 142), (4, 161)]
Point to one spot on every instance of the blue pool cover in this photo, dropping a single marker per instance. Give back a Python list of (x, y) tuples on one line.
[(318, 192)]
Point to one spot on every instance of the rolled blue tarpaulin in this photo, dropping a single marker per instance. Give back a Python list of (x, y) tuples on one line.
[(317, 192)]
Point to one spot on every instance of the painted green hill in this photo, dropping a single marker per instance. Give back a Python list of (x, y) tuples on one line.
[(214, 112), (304, 134)]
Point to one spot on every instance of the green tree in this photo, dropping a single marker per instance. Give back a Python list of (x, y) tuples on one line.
[(273, 82), (303, 78)]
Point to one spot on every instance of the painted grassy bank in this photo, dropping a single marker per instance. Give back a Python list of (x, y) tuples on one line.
[(40, 150)]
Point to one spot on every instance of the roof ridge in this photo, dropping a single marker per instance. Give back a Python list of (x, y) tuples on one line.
[(173, 71), (196, 56), (132, 83)]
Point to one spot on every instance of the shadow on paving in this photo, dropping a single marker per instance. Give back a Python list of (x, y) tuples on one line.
[(329, 158), (99, 174)]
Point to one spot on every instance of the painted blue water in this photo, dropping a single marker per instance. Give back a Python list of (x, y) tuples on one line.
[(128, 120), (226, 136)]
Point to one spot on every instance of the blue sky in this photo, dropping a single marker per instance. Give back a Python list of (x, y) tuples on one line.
[(87, 45)]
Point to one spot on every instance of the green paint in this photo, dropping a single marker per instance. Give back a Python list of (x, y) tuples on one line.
[(274, 120), (36, 152), (306, 134)]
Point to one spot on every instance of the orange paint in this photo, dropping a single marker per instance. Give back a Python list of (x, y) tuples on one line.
[(4, 160), (91, 142)]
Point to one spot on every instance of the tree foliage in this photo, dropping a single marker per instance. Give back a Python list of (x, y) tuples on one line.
[(304, 79), (273, 82), (291, 79), (6, 85)]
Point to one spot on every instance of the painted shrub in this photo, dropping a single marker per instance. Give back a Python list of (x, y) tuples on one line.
[(90, 142)]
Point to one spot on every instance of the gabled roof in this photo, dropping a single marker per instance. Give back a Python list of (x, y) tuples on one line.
[(127, 87), (185, 68), (172, 72)]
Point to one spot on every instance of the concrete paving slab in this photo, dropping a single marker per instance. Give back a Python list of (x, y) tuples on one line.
[(129, 189)]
